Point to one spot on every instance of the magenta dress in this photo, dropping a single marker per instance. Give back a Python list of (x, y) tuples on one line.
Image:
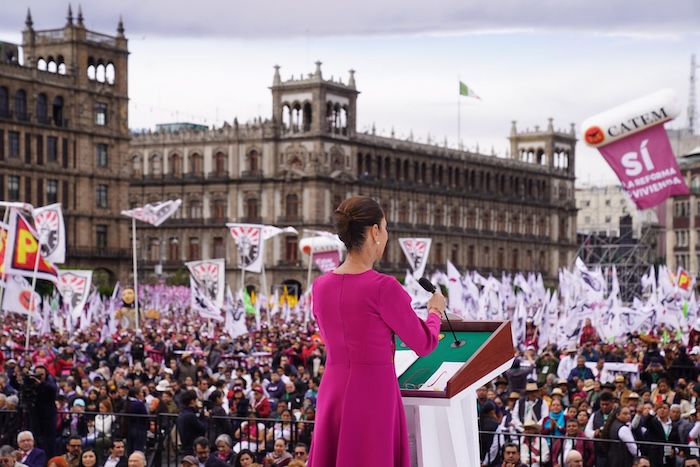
[(359, 414)]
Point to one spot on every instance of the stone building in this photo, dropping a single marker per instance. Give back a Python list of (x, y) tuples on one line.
[(64, 135), (600, 209), (481, 211)]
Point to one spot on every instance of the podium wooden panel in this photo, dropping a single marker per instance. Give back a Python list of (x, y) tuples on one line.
[(442, 425)]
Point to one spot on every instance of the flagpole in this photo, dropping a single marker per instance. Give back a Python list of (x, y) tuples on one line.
[(264, 286), (31, 299), (459, 117), (136, 278), (311, 262)]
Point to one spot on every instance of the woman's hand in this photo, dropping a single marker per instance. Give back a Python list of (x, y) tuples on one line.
[(437, 303)]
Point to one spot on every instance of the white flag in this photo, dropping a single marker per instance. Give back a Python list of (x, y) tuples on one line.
[(209, 275), (270, 231), (201, 304), (156, 213), (18, 294), (48, 222), (416, 251), (74, 287), (249, 242), (234, 323)]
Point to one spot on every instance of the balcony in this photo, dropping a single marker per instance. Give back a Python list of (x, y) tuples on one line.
[(284, 263), (252, 174), (290, 219), (102, 253), (218, 175), (250, 220), (194, 176), (221, 221)]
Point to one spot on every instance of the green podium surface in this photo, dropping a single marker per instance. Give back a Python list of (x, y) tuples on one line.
[(488, 345)]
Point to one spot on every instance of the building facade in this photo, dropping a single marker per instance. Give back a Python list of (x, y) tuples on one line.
[(682, 219), (600, 209), (64, 136), (481, 211)]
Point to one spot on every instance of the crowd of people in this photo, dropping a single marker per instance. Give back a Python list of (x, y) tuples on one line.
[(581, 405), (246, 401)]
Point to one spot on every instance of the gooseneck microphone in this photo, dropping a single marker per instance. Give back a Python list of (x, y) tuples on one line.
[(429, 287)]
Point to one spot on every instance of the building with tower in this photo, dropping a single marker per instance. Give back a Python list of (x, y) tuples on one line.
[(494, 214), (64, 135)]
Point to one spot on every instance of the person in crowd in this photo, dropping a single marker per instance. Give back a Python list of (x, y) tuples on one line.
[(301, 453), (279, 456), (567, 363), (663, 392), (27, 453), (137, 459), (573, 439), (531, 407), (223, 449), (218, 423), (204, 455), (554, 423), (691, 461), (641, 461), (74, 448), (517, 376), (134, 423), (190, 425), (260, 403), (546, 364), (358, 331), (574, 459), (88, 458), (511, 456), (660, 431), (580, 372), (617, 428), (534, 450), (117, 454), (57, 461), (245, 458), (621, 392), (488, 440), (251, 434), (7, 457), (596, 423), (282, 429)]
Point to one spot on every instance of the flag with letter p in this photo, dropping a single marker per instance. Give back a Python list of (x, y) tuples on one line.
[(22, 249)]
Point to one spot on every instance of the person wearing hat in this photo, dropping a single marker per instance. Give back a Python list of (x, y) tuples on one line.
[(534, 450), (185, 368), (529, 407), (633, 401), (621, 390), (260, 403), (546, 364), (189, 461), (563, 386), (502, 388)]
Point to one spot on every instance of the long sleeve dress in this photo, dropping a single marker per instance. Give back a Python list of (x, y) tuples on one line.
[(360, 415)]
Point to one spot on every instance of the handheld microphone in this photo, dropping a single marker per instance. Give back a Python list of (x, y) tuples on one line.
[(429, 287)]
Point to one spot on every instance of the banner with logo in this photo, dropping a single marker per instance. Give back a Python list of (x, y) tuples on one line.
[(74, 287), (249, 242), (48, 221), (22, 249), (209, 275), (18, 296), (416, 251), (155, 213), (201, 304), (632, 139), (326, 261)]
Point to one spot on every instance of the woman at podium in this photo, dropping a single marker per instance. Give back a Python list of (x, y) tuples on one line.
[(360, 415)]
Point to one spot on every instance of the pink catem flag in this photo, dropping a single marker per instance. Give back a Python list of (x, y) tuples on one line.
[(646, 166)]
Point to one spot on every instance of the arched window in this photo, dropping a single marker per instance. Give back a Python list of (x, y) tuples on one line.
[(41, 108), (4, 102), (695, 185), (253, 162), (292, 207), (155, 166), (21, 105), (173, 250), (57, 111), (307, 117), (220, 164), (218, 210), (251, 208), (196, 165), (110, 73), (136, 167), (175, 165), (195, 209)]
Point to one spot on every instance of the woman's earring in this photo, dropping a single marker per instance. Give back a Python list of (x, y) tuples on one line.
[(377, 242)]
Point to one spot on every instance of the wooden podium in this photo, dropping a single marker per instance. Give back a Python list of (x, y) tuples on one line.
[(442, 424)]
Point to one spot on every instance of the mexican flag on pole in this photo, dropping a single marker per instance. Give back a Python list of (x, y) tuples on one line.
[(465, 90)]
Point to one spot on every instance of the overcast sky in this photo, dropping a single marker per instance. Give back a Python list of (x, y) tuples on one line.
[(208, 61)]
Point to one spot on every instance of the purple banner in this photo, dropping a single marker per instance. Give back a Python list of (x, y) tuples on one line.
[(646, 166), (327, 261)]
